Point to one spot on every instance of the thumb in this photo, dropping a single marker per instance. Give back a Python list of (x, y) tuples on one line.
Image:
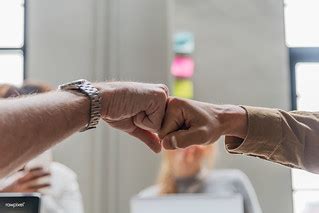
[(184, 138), (149, 138), (179, 139)]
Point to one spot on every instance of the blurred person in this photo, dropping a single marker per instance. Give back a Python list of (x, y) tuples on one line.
[(190, 171), (29, 125), (60, 190), (57, 184)]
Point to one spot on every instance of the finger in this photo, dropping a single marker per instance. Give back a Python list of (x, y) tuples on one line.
[(125, 125), (143, 121), (165, 88), (185, 138), (35, 182), (151, 118), (149, 138), (173, 121), (35, 169), (36, 188), (32, 175)]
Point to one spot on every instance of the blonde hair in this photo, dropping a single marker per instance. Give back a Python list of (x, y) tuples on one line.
[(166, 179), (33, 87), (8, 90)]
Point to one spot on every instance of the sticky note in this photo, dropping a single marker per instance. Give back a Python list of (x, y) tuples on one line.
[(183, 88), (183, 43), (182, 67)]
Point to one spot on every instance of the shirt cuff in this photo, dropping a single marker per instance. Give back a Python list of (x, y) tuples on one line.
[(264, 133)]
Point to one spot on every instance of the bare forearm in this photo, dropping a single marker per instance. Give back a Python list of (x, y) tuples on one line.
[(33, 124), (30, 125)]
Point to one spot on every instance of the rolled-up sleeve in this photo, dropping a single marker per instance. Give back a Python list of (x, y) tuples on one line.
[(288, 138)]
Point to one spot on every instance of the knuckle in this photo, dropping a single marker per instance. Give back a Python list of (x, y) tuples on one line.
[(174, 102), (178, 102), (161, 90), (164, 88), (158, 96), (162, 95)]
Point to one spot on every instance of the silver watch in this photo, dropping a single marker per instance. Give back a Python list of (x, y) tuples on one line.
[(85, 87)]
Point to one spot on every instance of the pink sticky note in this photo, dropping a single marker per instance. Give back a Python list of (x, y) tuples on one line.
[(183, 67)]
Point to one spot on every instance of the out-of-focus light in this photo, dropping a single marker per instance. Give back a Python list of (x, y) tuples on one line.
[(301, 21)]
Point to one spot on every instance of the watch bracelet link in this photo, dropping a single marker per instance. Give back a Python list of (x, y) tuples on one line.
[(85, 87)]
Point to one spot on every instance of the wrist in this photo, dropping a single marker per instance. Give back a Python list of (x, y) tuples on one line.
[(233, 120), (106, 93)]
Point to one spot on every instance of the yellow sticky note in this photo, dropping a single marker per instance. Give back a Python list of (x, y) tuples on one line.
[(183, 88)]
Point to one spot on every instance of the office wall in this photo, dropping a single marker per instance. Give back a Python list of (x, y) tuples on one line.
[(241, 59)]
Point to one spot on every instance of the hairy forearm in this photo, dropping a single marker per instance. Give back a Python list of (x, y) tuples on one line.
[(30, 125)]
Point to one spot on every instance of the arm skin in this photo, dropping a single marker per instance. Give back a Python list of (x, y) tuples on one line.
[(287, 138), (189, 122), (30, 125)]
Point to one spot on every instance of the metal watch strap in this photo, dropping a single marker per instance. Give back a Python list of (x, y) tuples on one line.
[(85, 87)]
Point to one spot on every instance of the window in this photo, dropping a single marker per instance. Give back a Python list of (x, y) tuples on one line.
[(301, 21), (12, 41), (302, 38), (306, 185)]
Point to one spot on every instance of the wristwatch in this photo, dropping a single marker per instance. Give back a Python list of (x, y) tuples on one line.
[(86, 88)]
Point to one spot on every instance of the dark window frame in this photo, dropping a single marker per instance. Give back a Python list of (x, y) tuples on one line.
[(22, 49), (300, 55)]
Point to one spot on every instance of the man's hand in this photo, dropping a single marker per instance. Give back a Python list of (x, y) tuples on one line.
[(135, 108), (190, 122), (29, 182)]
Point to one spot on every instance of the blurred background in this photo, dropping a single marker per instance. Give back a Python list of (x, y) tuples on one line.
[(249, 52)]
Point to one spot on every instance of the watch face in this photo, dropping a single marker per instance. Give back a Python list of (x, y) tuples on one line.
[(15, 203)]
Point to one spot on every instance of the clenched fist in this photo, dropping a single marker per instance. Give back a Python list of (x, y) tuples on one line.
[(135, 108), (189, 122)]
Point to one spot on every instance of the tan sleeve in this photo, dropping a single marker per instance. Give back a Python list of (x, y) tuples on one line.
[(288, 138)]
